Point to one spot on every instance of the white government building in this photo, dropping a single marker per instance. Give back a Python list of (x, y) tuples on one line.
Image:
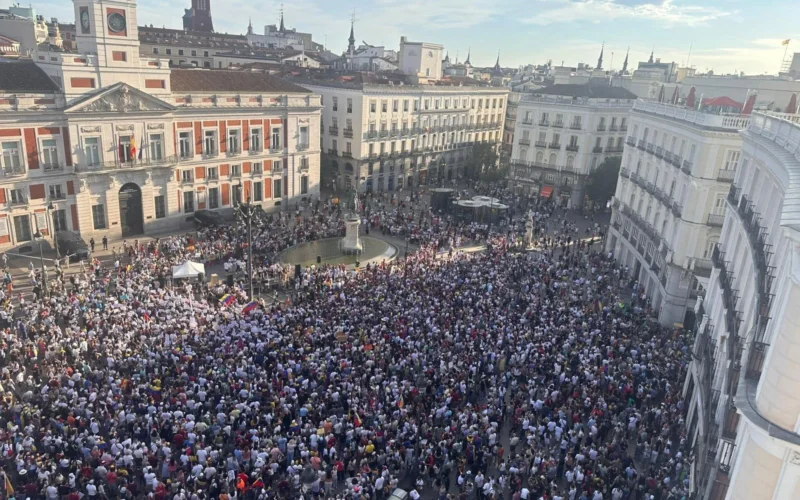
[(670, 201), (562, 134), (108, 142), (744, 403)]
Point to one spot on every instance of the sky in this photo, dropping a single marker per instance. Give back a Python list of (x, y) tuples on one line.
[(724, 35)]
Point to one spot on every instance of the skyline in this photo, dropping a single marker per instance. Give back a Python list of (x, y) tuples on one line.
[(725, 35)]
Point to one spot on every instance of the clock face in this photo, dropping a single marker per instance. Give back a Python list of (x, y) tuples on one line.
[(85, 21), (116, 22)]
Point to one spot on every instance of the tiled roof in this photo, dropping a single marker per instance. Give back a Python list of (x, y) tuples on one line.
[(204, 80), (25, 76), (590, 91)]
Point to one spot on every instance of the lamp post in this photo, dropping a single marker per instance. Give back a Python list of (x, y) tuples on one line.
[(247, 212), (40, 239), (50, 209)]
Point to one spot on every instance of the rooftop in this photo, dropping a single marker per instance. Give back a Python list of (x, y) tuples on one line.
[(204, 80), (587, 91), (710, 121), (25, 76), (361, 80)]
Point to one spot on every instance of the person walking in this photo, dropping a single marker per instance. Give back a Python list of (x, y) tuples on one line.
[(105, 242)]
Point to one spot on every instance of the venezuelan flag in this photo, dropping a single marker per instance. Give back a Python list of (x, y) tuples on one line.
[(227, 299)]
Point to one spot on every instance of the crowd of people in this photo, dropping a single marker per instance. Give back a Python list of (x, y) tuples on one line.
[(497, 374)]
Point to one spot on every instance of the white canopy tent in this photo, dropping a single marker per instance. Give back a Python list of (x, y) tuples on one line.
[(188, 269)]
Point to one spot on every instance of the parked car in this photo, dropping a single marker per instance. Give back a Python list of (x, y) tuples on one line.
[(206, 218), (71, 243)]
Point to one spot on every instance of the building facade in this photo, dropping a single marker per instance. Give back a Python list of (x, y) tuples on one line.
[(380, 137), (126, 146), (670, 201), (741, 390), (562, 134), (421, 59), (188, 48)]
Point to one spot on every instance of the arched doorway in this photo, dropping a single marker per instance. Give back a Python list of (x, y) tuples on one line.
[(130, 210)]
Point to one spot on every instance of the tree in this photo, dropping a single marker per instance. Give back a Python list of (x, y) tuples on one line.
[(483, 160), (602, 183)]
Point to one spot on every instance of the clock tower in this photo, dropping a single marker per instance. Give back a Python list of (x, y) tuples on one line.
[(109, 29)]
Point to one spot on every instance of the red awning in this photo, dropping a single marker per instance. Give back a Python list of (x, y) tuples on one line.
[(722, 102), (546, 191)]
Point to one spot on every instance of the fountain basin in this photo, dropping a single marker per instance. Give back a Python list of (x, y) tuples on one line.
[(331, 252)]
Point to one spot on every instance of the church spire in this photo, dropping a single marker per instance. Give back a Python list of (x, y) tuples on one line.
[(351, 48), (469, 51), (625, 64), (651, 56), (282, 28), (600, 59), (250, 27)]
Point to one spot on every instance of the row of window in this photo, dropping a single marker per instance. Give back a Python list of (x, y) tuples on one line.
[(181, 52), (12, 158), (611, 142), (426, 141), (437, 103), (576, 122)]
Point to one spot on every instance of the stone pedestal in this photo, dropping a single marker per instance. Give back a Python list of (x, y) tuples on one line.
[(351, 243)]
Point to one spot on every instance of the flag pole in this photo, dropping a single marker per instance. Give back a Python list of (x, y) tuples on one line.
[(785, 50)]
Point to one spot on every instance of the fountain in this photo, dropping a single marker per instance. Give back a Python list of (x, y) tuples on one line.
[(351, 249)]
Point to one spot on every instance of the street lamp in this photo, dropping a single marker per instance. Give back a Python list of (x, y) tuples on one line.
[(40, 239), (247, 211), (50, 209)]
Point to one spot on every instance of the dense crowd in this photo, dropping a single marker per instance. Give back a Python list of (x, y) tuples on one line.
[(500, 374)]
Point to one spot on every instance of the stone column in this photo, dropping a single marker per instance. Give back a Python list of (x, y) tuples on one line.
[(578, 192)]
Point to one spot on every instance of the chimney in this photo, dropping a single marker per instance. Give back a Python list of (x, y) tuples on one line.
[(403, 40)]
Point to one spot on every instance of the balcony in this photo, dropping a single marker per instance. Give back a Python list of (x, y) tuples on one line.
[(302, 147), (541, 144), (525, 142), (210, 153), (651, 148), (659, 152), (52, 167), (348, 132), (623, 128), (347, 154), (159, 162), (612, 150), (333, 130), (624, 172), (234, 151), (554, 145), (715, 220), (575, 126), (631, 142), (275, 148), (544, 123), (613, 128), (18, 201), (725, 175), (641, 145), (558, 124), (527, 122), (703, 267), (677, 209), (333, 152), (597, 149), (686, 167), (572, 147), (372, 134), (383, 134), (601, 128)]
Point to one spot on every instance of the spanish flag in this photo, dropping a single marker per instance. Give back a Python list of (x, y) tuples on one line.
[(133, 147), (9, 488), (356, 419), (786, 42)]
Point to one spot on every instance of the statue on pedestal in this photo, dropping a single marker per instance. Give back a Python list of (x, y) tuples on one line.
[(529, 230)]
